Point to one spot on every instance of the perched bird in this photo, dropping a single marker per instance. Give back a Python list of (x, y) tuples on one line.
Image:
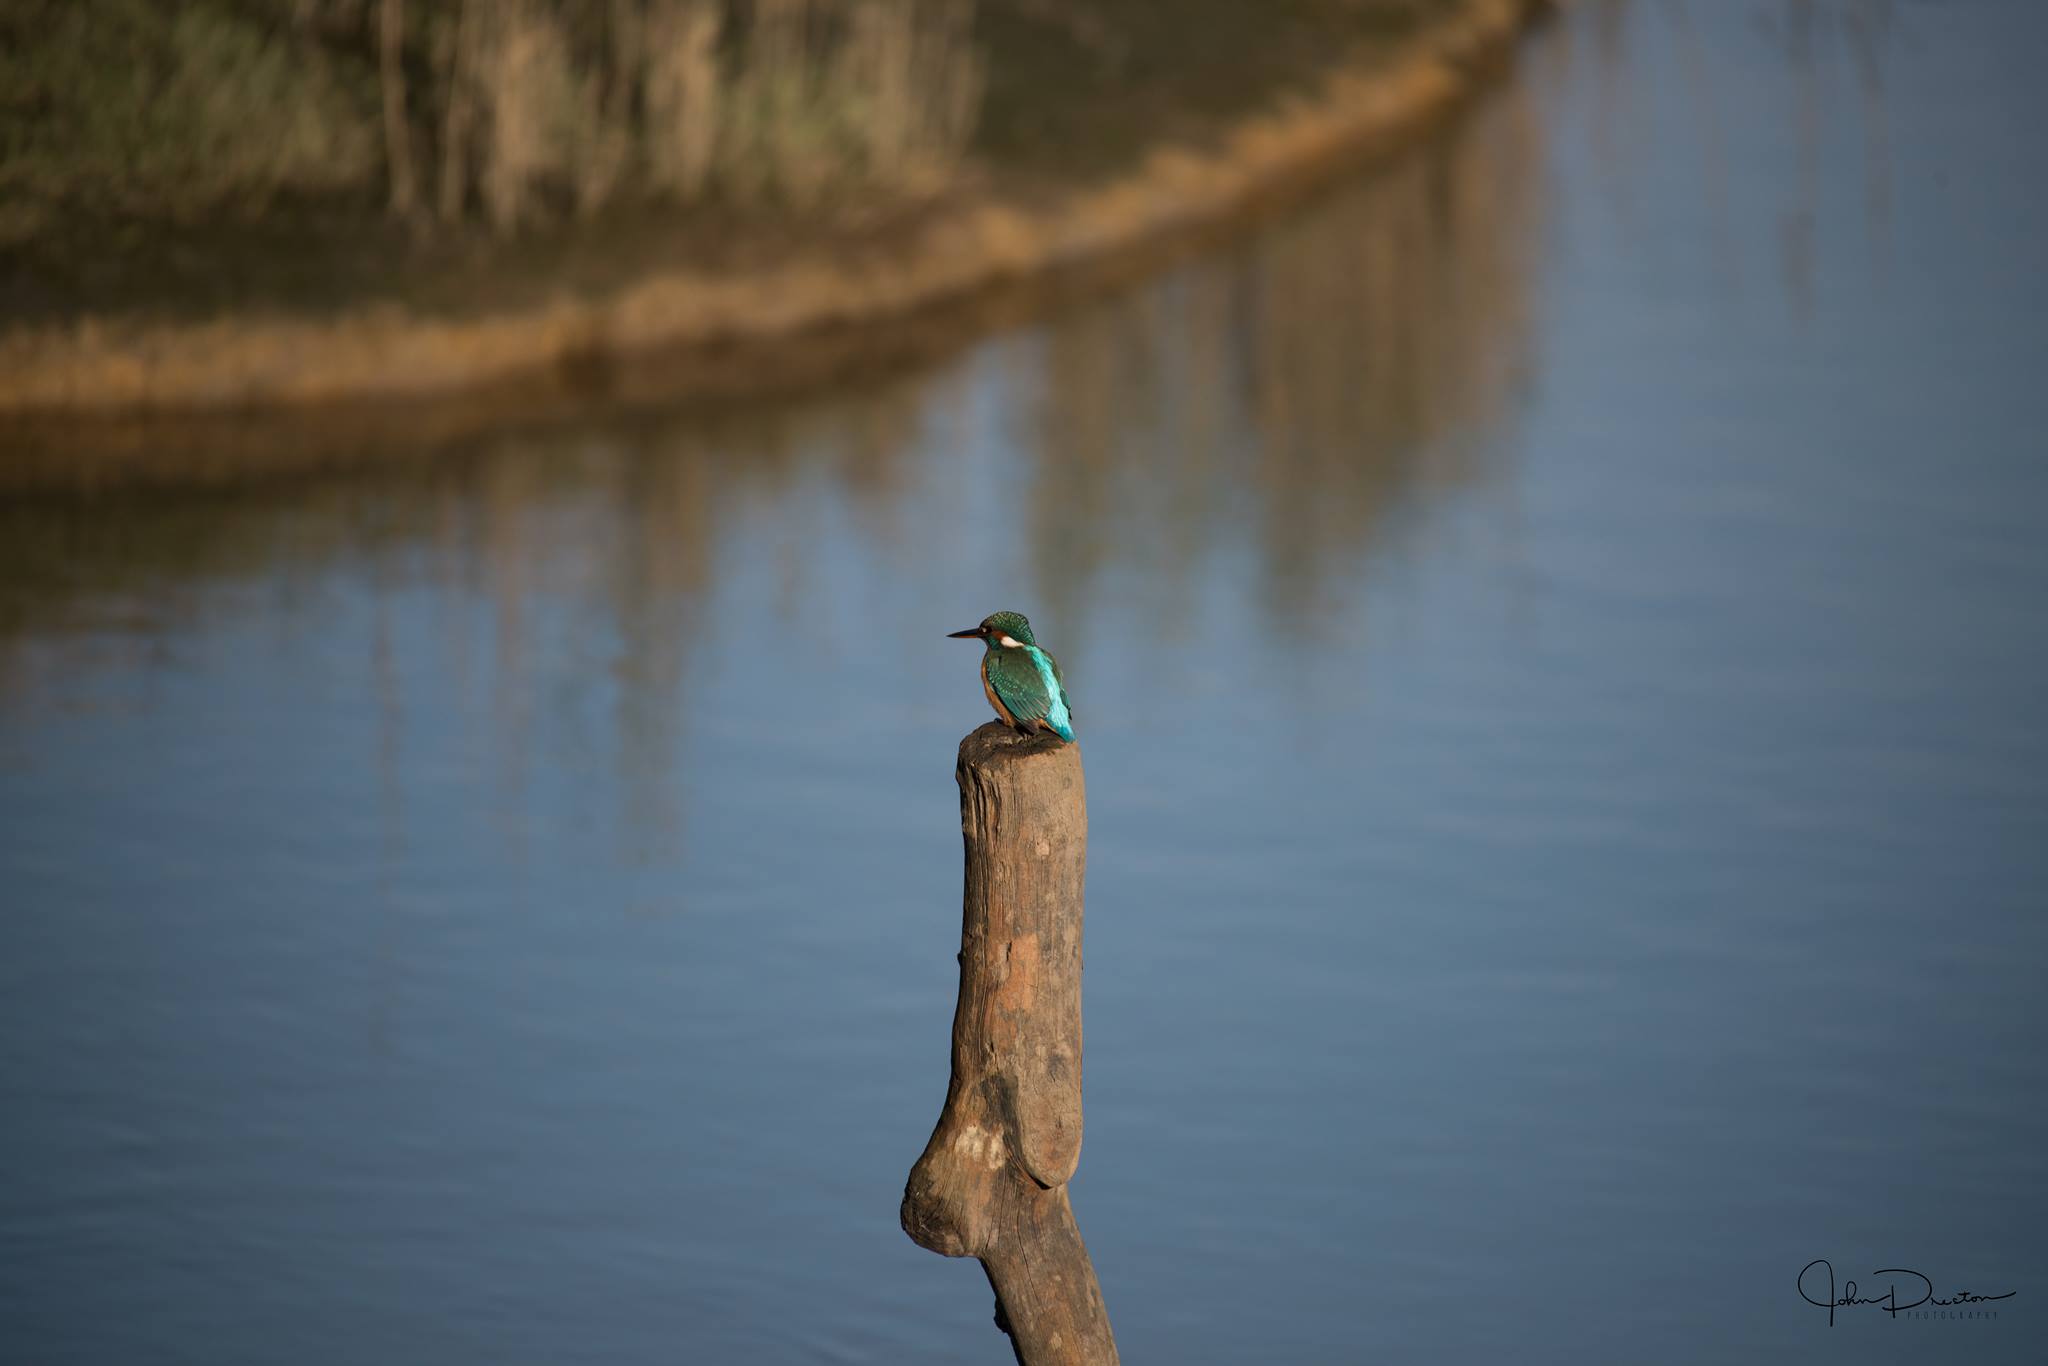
[(1022, 681)]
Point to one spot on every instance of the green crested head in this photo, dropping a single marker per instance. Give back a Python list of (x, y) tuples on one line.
[(999, 626), (1011, 624)]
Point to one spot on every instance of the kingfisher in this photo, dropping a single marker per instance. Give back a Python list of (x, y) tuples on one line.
[(1022, 681)]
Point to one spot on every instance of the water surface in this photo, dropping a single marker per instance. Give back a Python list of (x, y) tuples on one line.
[(1556, 631)]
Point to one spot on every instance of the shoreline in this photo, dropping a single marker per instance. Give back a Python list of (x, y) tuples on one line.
[(685, 334)]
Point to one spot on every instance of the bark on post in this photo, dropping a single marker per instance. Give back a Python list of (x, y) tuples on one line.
[(992, 1181)]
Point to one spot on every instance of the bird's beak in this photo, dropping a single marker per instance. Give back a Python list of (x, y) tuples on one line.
[(970, 633)]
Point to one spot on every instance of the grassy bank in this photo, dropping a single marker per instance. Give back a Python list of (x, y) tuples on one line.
[(252, 201), (511, 113)]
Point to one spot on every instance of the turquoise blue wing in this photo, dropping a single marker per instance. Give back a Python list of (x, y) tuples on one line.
[(1029, 683), (1019, 682), (1061, 716)]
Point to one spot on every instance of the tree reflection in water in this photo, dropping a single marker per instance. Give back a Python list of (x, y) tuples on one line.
[(1280, 392)]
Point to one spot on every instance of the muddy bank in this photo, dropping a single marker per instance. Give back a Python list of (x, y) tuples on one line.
[(817, 311)]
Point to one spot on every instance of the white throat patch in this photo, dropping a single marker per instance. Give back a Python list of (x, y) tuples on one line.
[(1009, 644)]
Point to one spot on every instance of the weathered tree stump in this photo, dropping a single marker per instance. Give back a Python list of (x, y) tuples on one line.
[(992, 1181)]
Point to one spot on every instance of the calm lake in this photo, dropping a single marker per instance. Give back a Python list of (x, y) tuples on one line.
[(1556, 627)]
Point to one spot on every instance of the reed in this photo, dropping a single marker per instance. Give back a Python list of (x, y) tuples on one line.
[(125, 108), (578, 103), (520, 110)]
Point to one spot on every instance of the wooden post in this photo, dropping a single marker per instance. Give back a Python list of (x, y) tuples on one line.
[(992, 1181)]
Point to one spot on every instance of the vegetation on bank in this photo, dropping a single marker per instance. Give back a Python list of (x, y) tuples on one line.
[(199, 153), (495, 110)]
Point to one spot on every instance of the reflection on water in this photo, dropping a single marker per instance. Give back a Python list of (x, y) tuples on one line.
[(1824, 85), (1297, 382), (1555, 631)]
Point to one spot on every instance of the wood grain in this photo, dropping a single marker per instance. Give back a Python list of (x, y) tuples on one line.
[(992, 1181)]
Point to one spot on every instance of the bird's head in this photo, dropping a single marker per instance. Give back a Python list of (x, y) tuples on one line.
[(999, 628)]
